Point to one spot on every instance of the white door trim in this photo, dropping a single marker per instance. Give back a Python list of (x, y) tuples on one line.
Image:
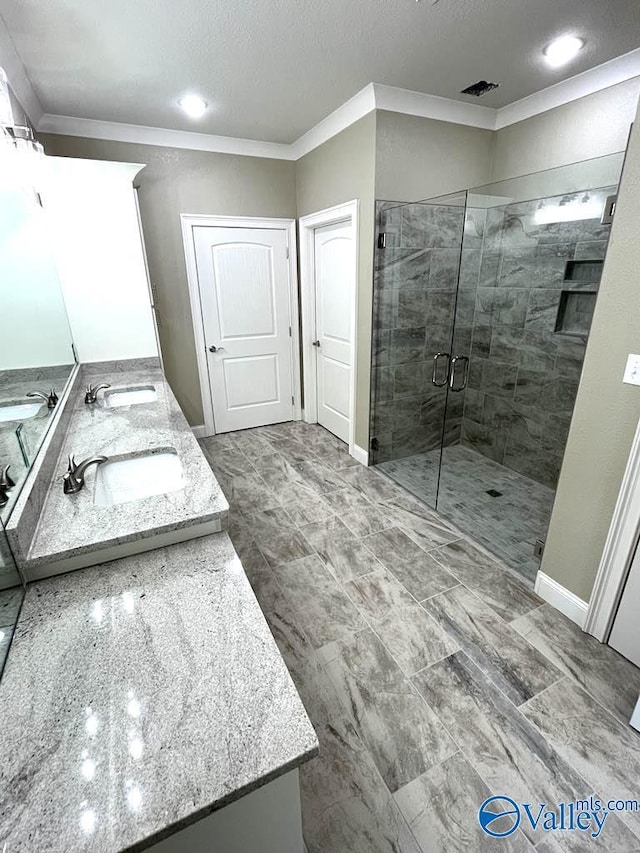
[(331, 216), (619, 550), (188, 222)]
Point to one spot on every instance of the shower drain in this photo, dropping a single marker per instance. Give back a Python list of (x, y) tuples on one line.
[(494, 493)]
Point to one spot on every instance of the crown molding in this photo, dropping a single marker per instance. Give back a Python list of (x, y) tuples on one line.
[(143, 135), (374, 96), (431, 106), (18, 77), (362, 103), (617, 70)]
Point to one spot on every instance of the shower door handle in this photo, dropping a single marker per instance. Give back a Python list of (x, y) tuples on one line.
[(434, 372), (452, 375)]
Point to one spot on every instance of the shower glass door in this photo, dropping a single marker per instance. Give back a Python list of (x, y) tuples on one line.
[(482, 308), (415, 287), (531, 259)]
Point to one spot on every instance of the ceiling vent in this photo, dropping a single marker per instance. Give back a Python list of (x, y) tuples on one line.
[(480, 88)]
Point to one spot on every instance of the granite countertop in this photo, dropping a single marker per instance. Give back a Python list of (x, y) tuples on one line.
[(139, 699), (71, 525)]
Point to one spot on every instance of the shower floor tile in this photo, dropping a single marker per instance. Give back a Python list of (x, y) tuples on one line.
[(507, 525)]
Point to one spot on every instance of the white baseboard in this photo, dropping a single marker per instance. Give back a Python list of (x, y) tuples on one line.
[(360, 454), (562, 599), (199, 431)]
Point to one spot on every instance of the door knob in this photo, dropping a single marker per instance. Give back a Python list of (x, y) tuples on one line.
[(316, 343), (213, 348)]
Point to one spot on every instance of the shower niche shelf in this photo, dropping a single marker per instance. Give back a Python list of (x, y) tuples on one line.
[(586, 271), (575, 312)]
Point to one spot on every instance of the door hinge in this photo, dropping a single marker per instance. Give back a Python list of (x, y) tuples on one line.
[(289, 331), (375, 444), (287, 253), (293, 401), (538, 548), (382, 240)]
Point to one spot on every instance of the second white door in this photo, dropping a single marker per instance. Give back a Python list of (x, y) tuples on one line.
[(243, 277), (334, 287)]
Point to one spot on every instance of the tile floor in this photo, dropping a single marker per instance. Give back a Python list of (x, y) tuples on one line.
[(433, 676), (507, 525)]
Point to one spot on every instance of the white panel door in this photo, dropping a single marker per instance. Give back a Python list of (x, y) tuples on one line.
[(243, 274), (335, 283), (625, 634)]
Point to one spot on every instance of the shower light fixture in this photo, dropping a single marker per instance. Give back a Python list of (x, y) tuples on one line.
[(572, 211), (562, 50), (193, 105)]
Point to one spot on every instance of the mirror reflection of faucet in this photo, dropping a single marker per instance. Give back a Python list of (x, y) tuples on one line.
[(6, 483), (91, 394), (51, 398), (74, 478)]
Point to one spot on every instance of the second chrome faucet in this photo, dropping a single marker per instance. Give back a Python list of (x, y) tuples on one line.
[(73, 480)]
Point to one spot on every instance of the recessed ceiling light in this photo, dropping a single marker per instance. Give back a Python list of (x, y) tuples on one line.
[(562, 50), (193, 105)]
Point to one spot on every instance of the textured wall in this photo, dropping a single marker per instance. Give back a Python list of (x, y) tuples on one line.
[(606, 412), (419, 158), (178, 181), (593, 126)]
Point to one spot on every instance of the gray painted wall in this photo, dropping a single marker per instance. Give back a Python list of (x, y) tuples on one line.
[(607, 411), (178, 181), (419, 158), (341, 169), (589, 127)]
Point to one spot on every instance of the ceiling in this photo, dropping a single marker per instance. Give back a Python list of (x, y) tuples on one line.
[(271, 69)]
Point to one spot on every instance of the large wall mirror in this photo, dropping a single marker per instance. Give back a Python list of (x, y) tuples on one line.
[(36, 349)]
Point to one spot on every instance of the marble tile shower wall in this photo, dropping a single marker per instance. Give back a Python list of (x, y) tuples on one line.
[(524, 375), (415, 282)]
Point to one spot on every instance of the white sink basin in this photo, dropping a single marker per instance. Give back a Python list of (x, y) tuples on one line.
[(19, 411), (130, 396), (125, 480)]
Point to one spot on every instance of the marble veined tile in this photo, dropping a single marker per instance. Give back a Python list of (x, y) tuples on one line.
[(345, 556), (413, 567), (515, 666), (412, 636), (275, 533), (606, 675), (345, 804), (509, 753), (372, 486), (477, 571), (401, 732), (603, 750), (441, 808), (305, 505), (249, 493), (318, 600), (319, 476)]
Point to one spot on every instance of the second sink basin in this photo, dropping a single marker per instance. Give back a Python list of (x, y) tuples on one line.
[(19, 411), (124, 480), (130, 396)]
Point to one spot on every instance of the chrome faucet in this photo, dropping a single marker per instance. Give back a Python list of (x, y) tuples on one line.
[(6, 481), (51, 398), (91, 395), (74, 478)]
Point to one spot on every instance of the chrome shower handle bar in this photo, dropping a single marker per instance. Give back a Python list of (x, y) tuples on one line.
[(434, 372), (452, 375)]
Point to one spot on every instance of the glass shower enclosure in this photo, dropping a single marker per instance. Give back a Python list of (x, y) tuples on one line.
[(482, 307)]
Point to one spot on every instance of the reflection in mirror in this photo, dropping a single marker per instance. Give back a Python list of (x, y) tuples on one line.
[(36, 352), (11, 595)]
